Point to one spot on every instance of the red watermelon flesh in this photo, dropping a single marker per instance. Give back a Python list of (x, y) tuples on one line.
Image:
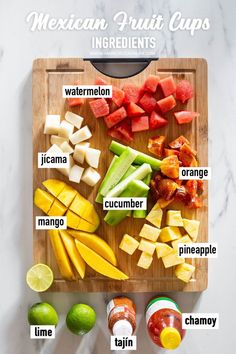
[(115, 117), (156, 121), (148, 102), (72, 102), (166, 104), (133, 110), (184, 91), (118, 96), (124, 128), (100, 81), (168, 86), (140, 124), (131, 93), (99, 107), (151, 83)]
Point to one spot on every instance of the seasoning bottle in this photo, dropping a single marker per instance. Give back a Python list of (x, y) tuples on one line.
[(164, 322), (121, 312)]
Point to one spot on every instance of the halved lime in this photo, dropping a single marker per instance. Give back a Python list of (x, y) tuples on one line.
[(39, 277)]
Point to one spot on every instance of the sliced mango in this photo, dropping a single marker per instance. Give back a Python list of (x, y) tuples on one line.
[(96, 243), (73, 220), (43, 200), (67, 195), (98, 263), (62, 258), (57, 209), (84, 209), (73, 253), (54, 186)]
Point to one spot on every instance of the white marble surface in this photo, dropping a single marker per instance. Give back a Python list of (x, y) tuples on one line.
[(18, 48)]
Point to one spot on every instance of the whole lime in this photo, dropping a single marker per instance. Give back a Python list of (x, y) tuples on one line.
[(42, 313), (80, 319)]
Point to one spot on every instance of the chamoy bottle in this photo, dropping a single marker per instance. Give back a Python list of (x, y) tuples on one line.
[(164, 322), (121, 312)]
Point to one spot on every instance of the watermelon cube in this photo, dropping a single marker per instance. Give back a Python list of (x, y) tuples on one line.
[(118, 96), (131, 93), (166, 104), (121, 132), (73, 102), (140, 124), (156, 121), (133, 110), (99, 107), (148, 102), (151, 83), (100, 81), (168, 86), (115, 117), (184, 91)]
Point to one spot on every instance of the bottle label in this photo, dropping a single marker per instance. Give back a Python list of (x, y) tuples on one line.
[(159, 304), (123, 343)]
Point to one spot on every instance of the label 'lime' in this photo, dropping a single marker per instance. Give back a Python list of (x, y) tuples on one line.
[(80, 319), (42, 313)]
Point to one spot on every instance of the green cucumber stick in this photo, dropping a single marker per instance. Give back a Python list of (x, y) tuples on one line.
[(141, 158), (134, 189), (99, 197), (139, 174), (141, 214), (117, 171)]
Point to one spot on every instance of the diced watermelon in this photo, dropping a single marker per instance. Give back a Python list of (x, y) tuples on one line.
[(148, 102), (115, 134), (151, 83), (183, 117), (184, 91), (99, 107), (131, 93), (124, 128), (168, 86), (72, 102), (115, 117), (156, 121), (100, 81), (166, 104), (133, 110), (140, 124), (118, 96)]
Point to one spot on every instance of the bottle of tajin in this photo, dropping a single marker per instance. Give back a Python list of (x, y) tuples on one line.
[(121, 312), (164, 322)]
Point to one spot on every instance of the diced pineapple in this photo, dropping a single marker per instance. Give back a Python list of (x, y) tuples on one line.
[(81, 135), (184, 239), (172, 259), (74, 119), (66, 129), (145, 260), (73, 220), (57, 209), (66, 148), (170, 233), (90, 176), (147, 246), (128, 244), (174, 218), (192, 227), (155, 215), (52, 124), (163, 249), (67, 195), (76, 173), (149, 232), (184, 271)]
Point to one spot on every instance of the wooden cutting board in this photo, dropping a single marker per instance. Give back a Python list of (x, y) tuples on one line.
[(48, 77)]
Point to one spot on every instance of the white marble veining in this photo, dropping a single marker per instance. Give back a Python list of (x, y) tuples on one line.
[(18, 48)]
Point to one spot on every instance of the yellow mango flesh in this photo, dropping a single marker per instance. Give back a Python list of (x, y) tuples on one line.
[(84, 209), (73, 220), (57, 209), (54, 186), (43, 200), (98, 263), (67, 195), (73, 253)]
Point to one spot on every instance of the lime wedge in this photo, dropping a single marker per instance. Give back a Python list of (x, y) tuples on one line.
[(39, 277)]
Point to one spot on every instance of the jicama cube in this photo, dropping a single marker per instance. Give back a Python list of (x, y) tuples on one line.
[(147, 246), (155, 215), (54, 149), (128, 244), (145, 260), (172, 259), (90, 176), (184, 239), (81, 135), (58, 140), (52, 124), (79, 152), (92, 157), (149, 232), (184, 271), (192, 228), (170, 233), (75, 173), (163, 249), (74, 119), (174, 218), (66, 129), (66, 148), (66, 171)]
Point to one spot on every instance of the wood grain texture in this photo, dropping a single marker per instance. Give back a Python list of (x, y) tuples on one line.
[(48, 77)]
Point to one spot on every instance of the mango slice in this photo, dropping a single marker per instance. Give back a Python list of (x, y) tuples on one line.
[(67, 195), (54, 186), (43, 200), (84, 209), (73, 220), (98, 263), (57, 209)]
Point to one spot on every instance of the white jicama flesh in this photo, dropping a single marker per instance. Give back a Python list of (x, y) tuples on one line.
[(58, 140), (76, 173), (81, 135), (66, 171), (79, 152), (54, 149), (92, 157), (52, 124), (90, 176), (66, 148), (74, 119), (66, 129)]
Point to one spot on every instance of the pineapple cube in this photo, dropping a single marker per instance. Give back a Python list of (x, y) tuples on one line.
[(54, 186), (170, 233), (147, 246), (192, 227), (43, 200), (145, 260), (67, 195), (66, 148), (155, 215), (184, 239), (52, 124), (172, 259), (128, 244), (76, 173), (65, 130), (73, 220), (163, 249), (149, 232), (184, 271), (174, 218), (74, 119), (57, 209)]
